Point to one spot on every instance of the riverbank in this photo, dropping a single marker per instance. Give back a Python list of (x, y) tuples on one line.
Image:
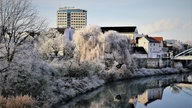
[(67, 88), (64, 89), (143, 72), (132, 90)]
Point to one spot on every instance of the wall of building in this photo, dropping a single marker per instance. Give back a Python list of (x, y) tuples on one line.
[(152, 62), (78, 20), (139, 55), (154, 50), (62, 20), (130, 35), (143, 42)]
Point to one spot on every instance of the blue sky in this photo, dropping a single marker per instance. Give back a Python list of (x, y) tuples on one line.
[(171, 19)]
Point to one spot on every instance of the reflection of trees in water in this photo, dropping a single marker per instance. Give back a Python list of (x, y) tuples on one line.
[(125, 93), (182, 87), (84, 103), (174, 89)]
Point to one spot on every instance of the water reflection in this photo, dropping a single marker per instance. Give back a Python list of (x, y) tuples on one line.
[(136, 93), (150, 95)]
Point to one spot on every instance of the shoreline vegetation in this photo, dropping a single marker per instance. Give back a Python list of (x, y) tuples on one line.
[(90, 61), (24, 101), (82, 86), (140, 73)]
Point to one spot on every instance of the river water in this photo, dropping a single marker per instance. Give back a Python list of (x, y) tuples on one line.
[(169, 91)]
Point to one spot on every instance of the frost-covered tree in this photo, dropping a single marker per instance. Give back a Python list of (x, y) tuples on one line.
[(110, 48), (68, 50), (18, 19), (50, 43), (27, 74), (178, 46), (189, 43), (53, 43), (117, 48), (89, 43), (22, 71)]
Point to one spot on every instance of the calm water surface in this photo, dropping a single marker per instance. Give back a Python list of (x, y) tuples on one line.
[(170, 91)]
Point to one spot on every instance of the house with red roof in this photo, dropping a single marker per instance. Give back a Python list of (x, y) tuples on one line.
[(152, 45)]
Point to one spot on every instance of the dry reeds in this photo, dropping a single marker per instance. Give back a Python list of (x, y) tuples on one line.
[(25, 101)]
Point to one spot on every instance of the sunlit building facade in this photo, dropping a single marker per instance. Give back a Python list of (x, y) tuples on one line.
[(69, 17)]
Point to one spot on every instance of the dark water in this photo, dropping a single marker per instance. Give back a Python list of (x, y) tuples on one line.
[(170, 91)]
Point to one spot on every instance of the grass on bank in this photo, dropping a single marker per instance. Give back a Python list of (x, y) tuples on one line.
[(25, 101)]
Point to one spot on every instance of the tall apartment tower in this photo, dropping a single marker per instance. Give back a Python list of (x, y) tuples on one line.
[(71, 17)]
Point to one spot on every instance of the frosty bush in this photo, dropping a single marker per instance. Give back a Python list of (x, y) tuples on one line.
[(84, 69), (28, 74)]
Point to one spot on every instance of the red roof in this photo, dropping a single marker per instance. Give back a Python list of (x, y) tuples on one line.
[(159, 39)]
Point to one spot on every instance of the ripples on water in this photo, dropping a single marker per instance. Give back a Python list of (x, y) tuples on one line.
[(170, 91)]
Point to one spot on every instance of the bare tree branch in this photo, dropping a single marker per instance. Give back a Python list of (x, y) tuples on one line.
[(17, 19)]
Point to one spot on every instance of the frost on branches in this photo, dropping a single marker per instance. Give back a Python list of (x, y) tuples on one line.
[(89, 44), (18, 20), (53, 68), (50, 44), (28, 73), (110, 48)]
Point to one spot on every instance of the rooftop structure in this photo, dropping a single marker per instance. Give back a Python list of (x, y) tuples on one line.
[(130, 31), (121, 29)]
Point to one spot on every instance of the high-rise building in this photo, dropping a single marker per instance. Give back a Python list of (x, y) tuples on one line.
[(71, 17)]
